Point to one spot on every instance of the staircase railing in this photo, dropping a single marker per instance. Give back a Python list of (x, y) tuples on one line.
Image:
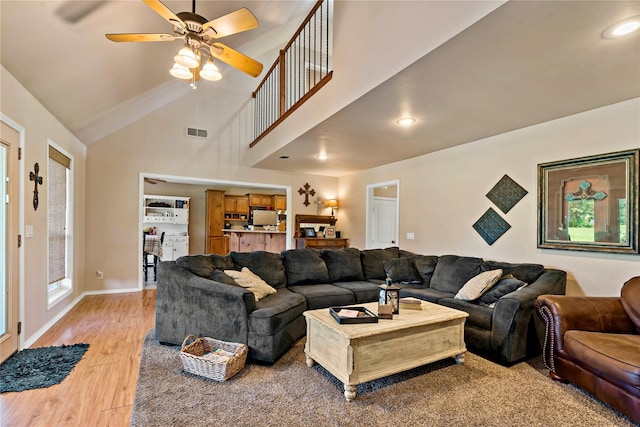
[(302, 68)]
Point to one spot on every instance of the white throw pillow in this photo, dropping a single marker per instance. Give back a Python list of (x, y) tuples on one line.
[(247, 279), (478, 285)]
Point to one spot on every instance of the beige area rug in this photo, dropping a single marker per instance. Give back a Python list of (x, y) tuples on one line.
[(288, 393)]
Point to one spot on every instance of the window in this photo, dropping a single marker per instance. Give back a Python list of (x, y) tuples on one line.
[(59, 197)]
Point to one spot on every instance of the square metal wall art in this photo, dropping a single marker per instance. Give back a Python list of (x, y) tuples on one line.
[(491, 226), (506, 193)]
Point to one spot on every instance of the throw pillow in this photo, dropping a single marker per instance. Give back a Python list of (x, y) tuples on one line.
[(500, 289), (425, 265), (343, 264), (251, 282), (401, 270), (305, 267), (452, 272), (478, 285)]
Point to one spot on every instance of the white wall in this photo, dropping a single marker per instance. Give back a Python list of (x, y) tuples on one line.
[(21, 107), (443, 194), (156, 144)]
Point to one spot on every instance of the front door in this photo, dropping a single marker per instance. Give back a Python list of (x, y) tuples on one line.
[(9, 143)]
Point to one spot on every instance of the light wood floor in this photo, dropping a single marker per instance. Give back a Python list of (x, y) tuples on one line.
[(101, 388)]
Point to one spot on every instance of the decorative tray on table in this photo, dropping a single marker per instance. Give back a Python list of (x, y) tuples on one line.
[(349, 315)]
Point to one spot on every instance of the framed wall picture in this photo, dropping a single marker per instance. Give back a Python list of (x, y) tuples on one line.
[(589, 203), (309, 232), (330, 232)]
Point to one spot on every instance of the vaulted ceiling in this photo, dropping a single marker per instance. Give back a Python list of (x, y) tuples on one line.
[(523, 64)]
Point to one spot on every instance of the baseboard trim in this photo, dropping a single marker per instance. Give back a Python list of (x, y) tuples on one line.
[(40, 332)]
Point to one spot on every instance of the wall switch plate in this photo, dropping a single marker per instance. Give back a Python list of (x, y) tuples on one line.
[(411, 236), (100, 274), (28, 231)]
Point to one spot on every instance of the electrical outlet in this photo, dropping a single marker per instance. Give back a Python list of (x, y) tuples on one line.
[(100, 274), (411, 236)]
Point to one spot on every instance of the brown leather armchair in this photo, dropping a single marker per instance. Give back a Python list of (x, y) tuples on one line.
[(594, 343)]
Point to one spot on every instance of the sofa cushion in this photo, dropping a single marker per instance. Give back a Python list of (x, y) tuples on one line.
[(614, 356), (266, 265), (452, 272), (425, 265), (373, 261), (246, 279), (528, 273), (343, 264), (363, 291), (276, 311), (500, 289), (324, 295), (203, 265), (630, 299), (219, 276), (479, 316), (478, 285), (401, 270), (305, 267), (426, 294)]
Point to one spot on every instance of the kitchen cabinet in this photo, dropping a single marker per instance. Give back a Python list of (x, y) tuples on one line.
[(260, 200), (236, 205), (174, 247), (166, 209), (214, 222), (280, 202)]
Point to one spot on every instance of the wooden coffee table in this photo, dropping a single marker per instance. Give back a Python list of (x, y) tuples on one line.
[(357, 353)]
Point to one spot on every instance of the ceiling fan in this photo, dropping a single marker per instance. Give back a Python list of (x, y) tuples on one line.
[(200, 37)]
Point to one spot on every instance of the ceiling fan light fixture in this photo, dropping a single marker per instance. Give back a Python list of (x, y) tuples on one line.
[(210, 71), (187, 58), (181, 72)]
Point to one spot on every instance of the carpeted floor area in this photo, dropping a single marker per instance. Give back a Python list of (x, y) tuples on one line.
[(478, 393)]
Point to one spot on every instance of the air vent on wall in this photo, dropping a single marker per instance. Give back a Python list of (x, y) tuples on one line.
[(197, 133)]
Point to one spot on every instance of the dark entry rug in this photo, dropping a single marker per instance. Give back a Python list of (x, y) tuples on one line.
[(39, 367)]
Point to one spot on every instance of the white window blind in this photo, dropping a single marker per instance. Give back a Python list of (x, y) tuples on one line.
[(59, 164)]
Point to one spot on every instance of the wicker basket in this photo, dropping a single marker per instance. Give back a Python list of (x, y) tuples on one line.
[(193, 362)]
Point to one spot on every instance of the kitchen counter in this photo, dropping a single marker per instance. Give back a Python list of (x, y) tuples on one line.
[(256, 240), (228, 230)]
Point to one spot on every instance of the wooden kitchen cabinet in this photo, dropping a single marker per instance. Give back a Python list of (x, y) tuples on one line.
[(280, 202), (260, 200), (248, 241), (214, 223), (236, 205)]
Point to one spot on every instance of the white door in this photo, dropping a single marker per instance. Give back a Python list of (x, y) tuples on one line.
[(382, 214), (8, 242), (383, 223)]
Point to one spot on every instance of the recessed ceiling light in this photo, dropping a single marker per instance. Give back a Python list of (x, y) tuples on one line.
[(322, 157), (406, 121), (622, 28), (284, 157)]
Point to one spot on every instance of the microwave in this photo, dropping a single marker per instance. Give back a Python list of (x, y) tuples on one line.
[(264, 217)]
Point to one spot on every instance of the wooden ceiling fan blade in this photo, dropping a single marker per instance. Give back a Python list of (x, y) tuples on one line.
[(137, 37), (166, 13), (236, 59), (234, 22)]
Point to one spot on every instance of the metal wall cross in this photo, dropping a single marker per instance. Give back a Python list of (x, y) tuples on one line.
[(306, 193), (38, 180)]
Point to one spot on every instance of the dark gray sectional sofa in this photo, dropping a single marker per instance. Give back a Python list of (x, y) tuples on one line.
[(194, 296)]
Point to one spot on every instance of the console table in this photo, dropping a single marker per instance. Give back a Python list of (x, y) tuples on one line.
[(321, 243)]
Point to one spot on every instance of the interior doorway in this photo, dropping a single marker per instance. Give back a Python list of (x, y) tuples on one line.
[(10, 201), (383, 202), (195, 189)]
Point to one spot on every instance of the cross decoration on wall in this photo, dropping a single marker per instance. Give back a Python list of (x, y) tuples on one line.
[(38, 180), (306, 193)]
